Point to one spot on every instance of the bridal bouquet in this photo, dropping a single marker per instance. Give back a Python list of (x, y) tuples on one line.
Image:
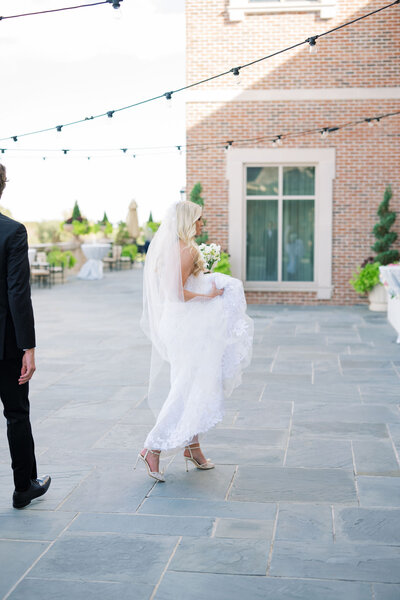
[(211, 255)]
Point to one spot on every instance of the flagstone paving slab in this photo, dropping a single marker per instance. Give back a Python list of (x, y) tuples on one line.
[(37, 589), (352, 562), (304, 522), (15, 559), (197, 586), (298, 485), (146, 524), (371, 525), (303, 503), (222, 555), (107, 557)]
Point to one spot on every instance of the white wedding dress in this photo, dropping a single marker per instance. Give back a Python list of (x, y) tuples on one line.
[(199, 347), (209, 343)]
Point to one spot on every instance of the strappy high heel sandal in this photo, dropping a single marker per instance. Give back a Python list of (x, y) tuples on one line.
[(154, 474), (203, 466)]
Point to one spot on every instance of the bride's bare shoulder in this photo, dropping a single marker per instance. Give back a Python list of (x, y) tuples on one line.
[(186, 253)]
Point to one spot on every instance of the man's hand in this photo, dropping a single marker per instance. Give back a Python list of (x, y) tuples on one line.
[(28, 366)]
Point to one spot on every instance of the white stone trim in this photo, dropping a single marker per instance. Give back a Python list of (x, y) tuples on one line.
[(324, 161), (237, 9), (284, 95)]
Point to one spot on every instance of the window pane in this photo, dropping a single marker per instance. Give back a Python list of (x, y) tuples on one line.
[(298, 240), (262, 181), (298, 181), (262, 240)]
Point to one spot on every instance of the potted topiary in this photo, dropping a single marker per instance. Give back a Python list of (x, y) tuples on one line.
[(366, 279)]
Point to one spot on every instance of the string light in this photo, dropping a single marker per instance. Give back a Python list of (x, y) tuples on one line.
[(168, 95), (276, 140), (236, 73), (313, 44), (59, 127), (115, 3)]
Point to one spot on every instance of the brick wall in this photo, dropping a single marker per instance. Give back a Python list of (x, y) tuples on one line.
[(365, 54)]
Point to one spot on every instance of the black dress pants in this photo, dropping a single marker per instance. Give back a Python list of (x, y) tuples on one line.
[(19, 432)]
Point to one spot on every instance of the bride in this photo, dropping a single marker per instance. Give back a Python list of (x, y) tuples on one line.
[(201, 339)]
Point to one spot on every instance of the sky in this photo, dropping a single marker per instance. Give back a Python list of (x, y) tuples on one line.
[(65, 66)]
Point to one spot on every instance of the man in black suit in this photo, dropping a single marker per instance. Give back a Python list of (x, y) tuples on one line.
[(17, 356)]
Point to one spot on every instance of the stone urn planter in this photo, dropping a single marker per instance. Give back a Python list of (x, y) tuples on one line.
[(378, 298)]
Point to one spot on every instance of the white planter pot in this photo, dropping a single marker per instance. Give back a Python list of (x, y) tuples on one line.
[(378, 298)]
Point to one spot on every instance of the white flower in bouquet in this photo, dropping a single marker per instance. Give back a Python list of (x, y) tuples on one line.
[(211, 254)]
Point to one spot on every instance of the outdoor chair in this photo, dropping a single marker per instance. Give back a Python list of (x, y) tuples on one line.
[(41, 275), (57, 271), (114, 261), (125, 262)]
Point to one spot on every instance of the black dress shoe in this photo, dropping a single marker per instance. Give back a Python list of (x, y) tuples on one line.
[(37, 488)]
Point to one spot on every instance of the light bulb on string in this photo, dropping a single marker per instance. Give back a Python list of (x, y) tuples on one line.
[(3, 150), (59, 128), (369, 122), (324, 133), (378, 121), (236, 74), (228, 145), (277, 141), (117, 12), (179, 148), (312, 41), (15, 138), (168, 96), (110, 114)]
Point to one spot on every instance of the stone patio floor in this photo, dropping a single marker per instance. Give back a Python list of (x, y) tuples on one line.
[(304, 502)]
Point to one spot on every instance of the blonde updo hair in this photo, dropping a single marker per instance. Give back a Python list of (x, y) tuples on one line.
[(3, 178), (187, 213)]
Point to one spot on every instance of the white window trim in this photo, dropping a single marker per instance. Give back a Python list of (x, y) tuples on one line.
[(324, 161), (237, 9)]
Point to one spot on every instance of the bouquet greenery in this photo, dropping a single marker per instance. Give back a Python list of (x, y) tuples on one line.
[(211, 255)]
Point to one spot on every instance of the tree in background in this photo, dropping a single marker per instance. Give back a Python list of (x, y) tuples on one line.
[(384, 237), (76, 214), (195, 196)]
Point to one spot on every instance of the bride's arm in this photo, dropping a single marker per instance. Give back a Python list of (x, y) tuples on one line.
[(187, 268)]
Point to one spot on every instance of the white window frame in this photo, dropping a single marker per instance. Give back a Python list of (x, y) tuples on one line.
[(237, 9), (324, 161)]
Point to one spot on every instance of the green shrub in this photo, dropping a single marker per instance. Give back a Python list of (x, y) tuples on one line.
[(130, 250), (223, 266), (58, 258), (366, 278), (384, 237)]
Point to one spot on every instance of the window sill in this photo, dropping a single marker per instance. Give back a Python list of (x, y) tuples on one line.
[(288, 286), (237, 9)]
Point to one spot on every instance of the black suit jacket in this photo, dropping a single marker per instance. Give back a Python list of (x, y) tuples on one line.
[(17, 329)]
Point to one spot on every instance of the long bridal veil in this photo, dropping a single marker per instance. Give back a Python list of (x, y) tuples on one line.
[(199, 347), (162, 296)]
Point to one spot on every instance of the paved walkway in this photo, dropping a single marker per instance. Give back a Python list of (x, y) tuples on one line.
[(304, 503)]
